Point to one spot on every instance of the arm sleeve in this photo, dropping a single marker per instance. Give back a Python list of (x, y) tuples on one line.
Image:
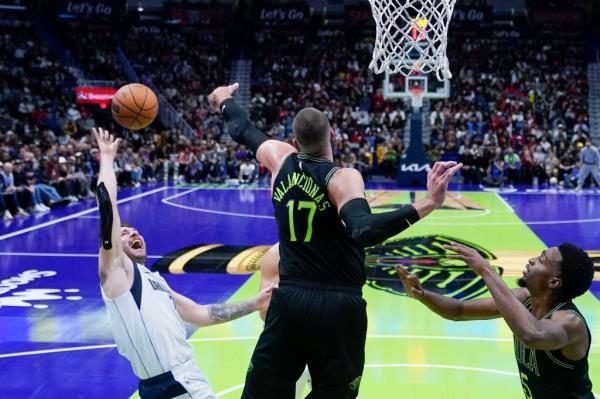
[(106, 216), (239, 126), (368, 229)]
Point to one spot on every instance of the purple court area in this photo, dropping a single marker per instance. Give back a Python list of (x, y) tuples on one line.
[(50, 295), (50, 262), (557, 218)]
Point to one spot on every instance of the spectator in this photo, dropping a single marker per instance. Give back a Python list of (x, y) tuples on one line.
[(590, 161), (247, 171), (9, 191), (495, 173), (513, 166)]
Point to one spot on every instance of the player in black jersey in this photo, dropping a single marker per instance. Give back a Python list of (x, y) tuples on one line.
[(317, 316), (551, 337)]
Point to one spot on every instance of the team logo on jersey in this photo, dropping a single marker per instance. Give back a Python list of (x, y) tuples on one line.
[(426, 258), (11, 294), (526, 357), (355, 384)]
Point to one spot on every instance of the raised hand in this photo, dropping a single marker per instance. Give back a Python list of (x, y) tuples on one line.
[(437, 180), (107, 144), (411, 283), (468, 255), (221, 94)]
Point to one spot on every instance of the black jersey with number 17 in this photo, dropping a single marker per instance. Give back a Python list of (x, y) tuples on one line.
[(313, 243)]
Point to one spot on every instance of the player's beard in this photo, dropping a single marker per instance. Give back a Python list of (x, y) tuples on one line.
[(522, 283)]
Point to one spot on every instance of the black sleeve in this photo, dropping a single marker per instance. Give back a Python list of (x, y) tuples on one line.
[(239, 126), (106, 216), (368, 229)]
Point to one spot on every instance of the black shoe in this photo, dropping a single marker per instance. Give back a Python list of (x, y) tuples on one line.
[(59, 203)]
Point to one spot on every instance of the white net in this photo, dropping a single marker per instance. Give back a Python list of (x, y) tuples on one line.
[(416, 97), (412, 36)]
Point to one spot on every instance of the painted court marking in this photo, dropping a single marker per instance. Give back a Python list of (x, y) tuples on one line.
[(414, 365), (167, 201), (506, 204), (78, 214), (252, 338), (61, 255), (224, 213), (425, 222), (567, 221)]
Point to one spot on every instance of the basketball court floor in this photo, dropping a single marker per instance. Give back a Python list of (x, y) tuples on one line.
[(55, 341)]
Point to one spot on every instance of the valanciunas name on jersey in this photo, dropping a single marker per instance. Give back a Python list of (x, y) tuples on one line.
[(306, 184)]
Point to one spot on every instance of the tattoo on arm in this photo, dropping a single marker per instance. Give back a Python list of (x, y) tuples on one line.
[(220, 312)]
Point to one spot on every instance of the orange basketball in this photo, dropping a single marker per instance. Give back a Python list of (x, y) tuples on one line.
[(134, 106)]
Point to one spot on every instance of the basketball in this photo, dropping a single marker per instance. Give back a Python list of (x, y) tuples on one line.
[(134, 106)]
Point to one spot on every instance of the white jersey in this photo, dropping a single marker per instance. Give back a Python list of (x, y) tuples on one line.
[(146, 326), (150, 333)]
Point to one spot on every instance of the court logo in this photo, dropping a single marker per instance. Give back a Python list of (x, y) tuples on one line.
[(32, 297), (355, 384), (26, 277), (426, 258), (423, 256)]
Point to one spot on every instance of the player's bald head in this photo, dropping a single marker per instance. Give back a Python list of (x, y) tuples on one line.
[(311, 130)]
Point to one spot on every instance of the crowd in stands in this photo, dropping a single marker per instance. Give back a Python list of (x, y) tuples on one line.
[(517, 115), (517, 112), (331, 74)]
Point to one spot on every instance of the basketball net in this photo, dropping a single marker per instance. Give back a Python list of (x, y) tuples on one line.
[(412, 36), (416, 96)]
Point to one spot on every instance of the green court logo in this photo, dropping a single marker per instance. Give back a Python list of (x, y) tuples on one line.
[(423, 256), (355, 383), (426, 258)]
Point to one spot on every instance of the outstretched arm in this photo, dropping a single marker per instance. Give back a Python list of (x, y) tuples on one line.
[(548, 334), (450, 308), (346, 188), (270, 153), (206, 315), (114, 266)]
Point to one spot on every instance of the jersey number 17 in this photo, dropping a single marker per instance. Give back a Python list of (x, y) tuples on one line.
[(311, 206)]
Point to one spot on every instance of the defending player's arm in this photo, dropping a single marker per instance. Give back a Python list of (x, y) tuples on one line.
[(269, 273), (450, 308), (270, 153), (563, 329), (114, 266), (346, 188), (206, 315)]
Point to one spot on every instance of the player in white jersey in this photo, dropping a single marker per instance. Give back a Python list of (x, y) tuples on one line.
[(146, 316)]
